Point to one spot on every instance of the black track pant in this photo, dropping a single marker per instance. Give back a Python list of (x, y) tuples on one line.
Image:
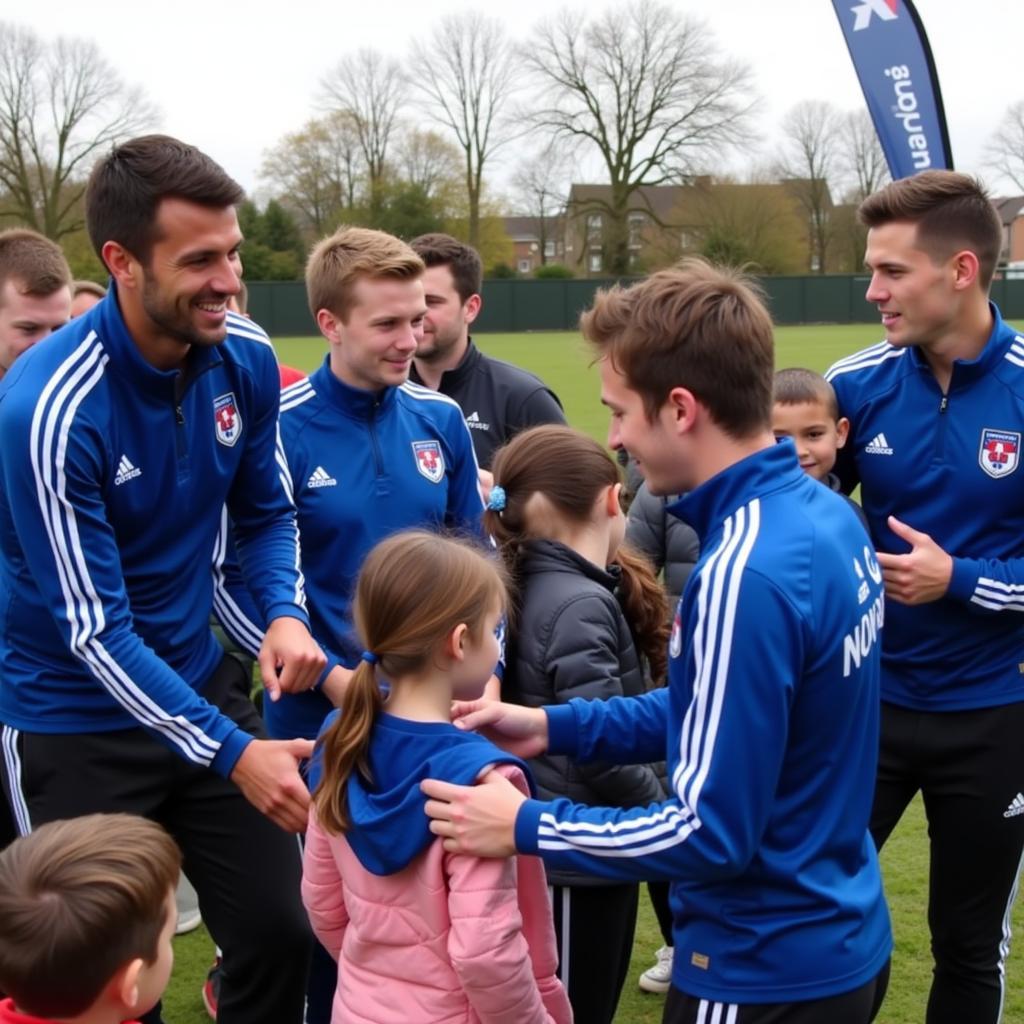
[(594, 926), (245, 869), (969, 768), (857, 1007)]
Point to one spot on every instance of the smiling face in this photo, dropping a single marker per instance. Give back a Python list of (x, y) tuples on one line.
[(192, 271), (26, 319), (651, 443), (815, 433), (446, 326), (914, 292), (374, 346)]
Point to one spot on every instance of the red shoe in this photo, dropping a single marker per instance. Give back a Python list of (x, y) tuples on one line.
[(211, 989)]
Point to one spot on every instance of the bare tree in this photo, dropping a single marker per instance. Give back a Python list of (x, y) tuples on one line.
[(813, 132), (541, 186), (61, 105), (645, 88), (1005, 151), (861, 158), (430, 162), (467, 73), (369, 87), (317, 171)]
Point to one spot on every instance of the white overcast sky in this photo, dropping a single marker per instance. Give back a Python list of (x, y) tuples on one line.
[(233, 78)]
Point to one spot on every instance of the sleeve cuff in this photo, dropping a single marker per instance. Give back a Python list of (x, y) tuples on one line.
[(231, 748), (527, 827), (287, 610), (964, 580), (563, 730)]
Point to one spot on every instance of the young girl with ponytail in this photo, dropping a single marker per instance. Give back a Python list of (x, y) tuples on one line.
[(587, 612), (420, 934)]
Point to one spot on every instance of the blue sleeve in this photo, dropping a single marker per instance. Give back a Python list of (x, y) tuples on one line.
[(731, 746), (262, 506), (53, 479), (988, 585), (465, 499), (234, 607), (623, 730)]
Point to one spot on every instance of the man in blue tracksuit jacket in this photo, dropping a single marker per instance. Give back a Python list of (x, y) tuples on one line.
[(368, 452), (937, 416), (124, 435), (769, 723)]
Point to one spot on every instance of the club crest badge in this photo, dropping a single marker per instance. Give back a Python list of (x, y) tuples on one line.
[(999, 452), (227, 419), (429, 460)]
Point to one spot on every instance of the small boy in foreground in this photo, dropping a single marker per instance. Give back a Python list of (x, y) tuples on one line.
[(86, 919), (805, 409)]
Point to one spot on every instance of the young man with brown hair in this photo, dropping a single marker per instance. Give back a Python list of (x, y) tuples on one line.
[(935, 442), (497, 398), (124, 437), (769, 723), (35, 292), (87, 917)]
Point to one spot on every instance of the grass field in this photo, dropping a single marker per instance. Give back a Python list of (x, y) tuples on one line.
[(562, 361)]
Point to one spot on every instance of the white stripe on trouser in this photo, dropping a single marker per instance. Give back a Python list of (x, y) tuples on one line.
[(1004, 946), (9, 741), (720, 1013)]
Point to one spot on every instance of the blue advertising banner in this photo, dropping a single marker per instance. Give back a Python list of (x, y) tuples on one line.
[(890, 54)]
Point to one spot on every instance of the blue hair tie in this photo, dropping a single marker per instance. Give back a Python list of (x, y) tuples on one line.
[(496, 502), (370, 657)]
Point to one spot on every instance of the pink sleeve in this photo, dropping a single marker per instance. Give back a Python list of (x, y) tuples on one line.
[(322, 892), (488, 945)]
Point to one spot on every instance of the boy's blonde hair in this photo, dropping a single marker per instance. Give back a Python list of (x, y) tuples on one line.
[(340, 260), (80, 899)]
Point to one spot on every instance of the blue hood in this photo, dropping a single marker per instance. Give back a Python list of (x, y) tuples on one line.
[(389, 825)]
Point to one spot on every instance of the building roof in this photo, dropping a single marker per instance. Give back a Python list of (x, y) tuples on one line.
[(1009, 208)]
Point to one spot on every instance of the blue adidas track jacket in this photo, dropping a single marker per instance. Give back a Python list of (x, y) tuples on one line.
[(363, 465), (950, 466), (770, 724), (113, 476)]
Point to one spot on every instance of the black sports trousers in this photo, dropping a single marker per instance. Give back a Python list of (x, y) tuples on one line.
[(969, 768), (594, 926), (857, 1007), (246, 870)]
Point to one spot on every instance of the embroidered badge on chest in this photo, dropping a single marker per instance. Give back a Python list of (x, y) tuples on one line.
[(675, 643), (227, 419), (999, 452), (429, 460)]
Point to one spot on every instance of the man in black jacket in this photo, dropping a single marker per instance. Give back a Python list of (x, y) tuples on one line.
[(497, 399)]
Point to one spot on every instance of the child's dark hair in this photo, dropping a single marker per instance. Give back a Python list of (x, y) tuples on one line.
[(796, 386), (413, 589), (570, 469), (80, 899)]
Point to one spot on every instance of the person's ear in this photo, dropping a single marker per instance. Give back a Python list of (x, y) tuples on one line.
[(124, 986), (123, 266), (471, 308), (613, 500), (455, 644), (966, 268), (682, 406), (328, 324), (842, 431)]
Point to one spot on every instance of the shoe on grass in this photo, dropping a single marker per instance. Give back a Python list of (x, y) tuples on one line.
[(659, 977)]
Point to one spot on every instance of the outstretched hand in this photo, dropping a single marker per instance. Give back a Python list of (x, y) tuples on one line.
[(520, 731), (475, 820)]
